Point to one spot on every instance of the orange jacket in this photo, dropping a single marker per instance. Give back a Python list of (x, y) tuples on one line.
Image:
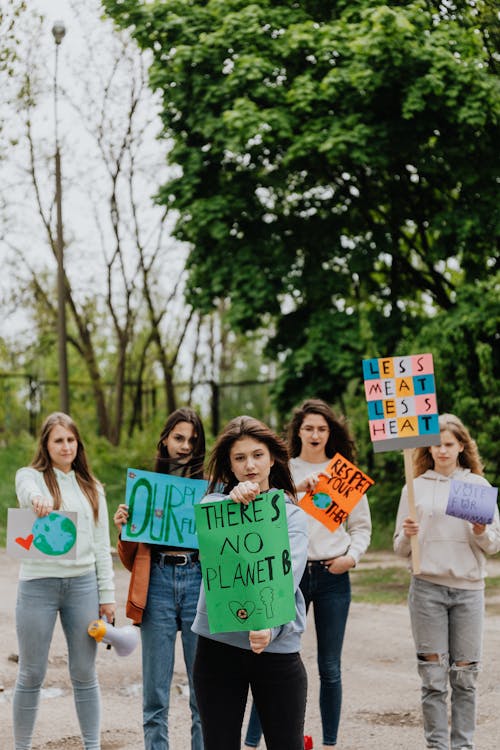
[(136, 557)]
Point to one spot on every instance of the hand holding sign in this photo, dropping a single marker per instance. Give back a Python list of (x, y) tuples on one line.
[(42, 505), (259, 639), (472, 502), (402, 413), (247, 568), (34, 537), (338, 489), (159, 509), (244, 492)]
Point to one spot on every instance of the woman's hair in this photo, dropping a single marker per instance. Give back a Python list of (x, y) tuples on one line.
[(339, 439), (194, 467), (42, 462), (219, 465), (468, 458)]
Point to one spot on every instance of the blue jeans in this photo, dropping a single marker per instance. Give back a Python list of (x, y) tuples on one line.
[(38, 603), (171, 606), (331, 596), (448, 623)]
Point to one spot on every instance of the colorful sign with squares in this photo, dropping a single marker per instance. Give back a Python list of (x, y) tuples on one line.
[(402, 405)]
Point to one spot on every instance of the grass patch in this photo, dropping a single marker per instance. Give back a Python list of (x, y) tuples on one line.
[(380, 585), (381, 539), (11, 459), (389, 585), (492, 595)]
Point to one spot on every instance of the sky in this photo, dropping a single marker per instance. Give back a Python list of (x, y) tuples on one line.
[(82, 173)]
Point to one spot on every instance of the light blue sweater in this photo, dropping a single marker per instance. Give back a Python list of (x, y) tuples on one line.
[(93, 547), (284, 639)]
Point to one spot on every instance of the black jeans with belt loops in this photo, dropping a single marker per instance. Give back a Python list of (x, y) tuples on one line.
[(222, 675)]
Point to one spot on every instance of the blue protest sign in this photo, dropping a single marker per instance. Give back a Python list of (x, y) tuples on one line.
[(161, 508)]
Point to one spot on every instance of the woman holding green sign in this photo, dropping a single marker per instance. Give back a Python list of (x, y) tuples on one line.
[(446, 598), (249, 459), (164, 588)]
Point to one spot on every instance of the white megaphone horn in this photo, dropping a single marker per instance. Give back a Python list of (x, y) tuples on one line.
[(124, 639)]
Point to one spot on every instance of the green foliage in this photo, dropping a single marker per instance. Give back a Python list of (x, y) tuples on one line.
[(11, 458), (386, 584), (10, 12), (341, 159), (340, 181), (466, 340)]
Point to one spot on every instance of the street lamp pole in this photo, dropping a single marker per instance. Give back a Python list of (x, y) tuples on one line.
[(58, 32)]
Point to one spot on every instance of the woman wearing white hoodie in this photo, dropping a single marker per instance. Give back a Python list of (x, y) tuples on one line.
[(446, 598)]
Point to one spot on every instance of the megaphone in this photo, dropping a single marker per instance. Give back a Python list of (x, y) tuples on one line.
[(124, 639)]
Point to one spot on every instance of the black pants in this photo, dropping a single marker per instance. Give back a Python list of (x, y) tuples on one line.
[(222, 675)]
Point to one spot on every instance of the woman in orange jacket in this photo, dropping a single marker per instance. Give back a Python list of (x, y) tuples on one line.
[(164, 588)]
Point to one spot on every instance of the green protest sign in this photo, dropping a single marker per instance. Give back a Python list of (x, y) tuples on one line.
[(246, 563)]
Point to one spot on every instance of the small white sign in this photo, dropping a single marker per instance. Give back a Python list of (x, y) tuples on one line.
[(472, 502), (30, 537)]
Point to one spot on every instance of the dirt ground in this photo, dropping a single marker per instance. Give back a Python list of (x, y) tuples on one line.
[(381, 686)]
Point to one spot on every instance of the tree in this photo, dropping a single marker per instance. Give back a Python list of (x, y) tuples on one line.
[(467, 342), (124, 314), (10, 13), (339, 166)]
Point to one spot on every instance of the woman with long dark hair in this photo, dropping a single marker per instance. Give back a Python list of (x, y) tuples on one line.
[(164, 588), (249, 459), (78, 590), (315, 434)]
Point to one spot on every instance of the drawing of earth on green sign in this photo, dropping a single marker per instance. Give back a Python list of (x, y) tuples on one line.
[(322, 500), (54, 534)]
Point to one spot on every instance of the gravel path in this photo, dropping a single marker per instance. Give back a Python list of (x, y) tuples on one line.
[(381, 686)]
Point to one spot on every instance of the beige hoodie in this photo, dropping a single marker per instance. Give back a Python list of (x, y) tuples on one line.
[(450, 553)]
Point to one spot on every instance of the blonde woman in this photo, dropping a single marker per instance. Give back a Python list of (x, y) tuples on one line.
[(446, 599), (77, 590)]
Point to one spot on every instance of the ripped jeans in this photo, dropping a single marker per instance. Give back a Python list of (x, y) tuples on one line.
[(447, 625)]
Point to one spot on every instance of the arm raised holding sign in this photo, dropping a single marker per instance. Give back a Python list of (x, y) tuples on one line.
[(446, 598), (251, 462), (77, 589), (165, 583)]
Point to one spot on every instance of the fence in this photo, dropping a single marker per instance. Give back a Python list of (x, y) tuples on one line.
[(26, 400)]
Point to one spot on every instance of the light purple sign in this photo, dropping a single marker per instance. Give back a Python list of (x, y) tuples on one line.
[(472, 502)]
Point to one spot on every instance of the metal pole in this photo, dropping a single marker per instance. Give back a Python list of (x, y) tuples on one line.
[(58, 31)]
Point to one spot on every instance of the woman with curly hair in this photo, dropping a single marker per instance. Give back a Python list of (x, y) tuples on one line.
[(315, 435)]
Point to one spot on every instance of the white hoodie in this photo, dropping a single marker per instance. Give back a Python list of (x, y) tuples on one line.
[(450, 553)]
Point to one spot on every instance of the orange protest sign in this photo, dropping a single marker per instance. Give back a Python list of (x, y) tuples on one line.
[(335, 495)]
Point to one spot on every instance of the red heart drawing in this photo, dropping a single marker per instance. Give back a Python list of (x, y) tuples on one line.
[(26, 543)]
